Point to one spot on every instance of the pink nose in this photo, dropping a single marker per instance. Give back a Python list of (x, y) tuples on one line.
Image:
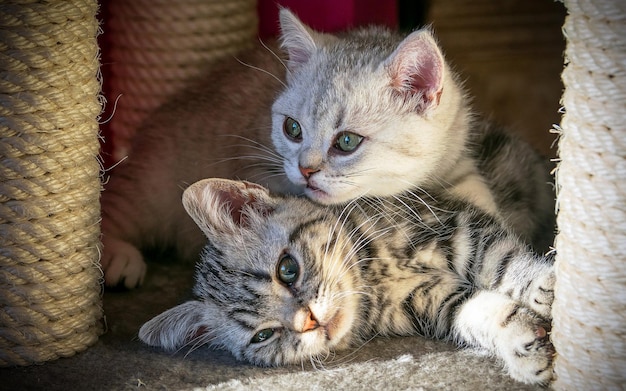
[(307, 172), (310, 323)]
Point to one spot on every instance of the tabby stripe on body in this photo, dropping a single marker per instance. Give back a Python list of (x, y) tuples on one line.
[(338, 278)]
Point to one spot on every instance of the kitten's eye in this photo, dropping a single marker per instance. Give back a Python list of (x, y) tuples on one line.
[(288, 270), (292, 129), (262, 335), (347, 141)]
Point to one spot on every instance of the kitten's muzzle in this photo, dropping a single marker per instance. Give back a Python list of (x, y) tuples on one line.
[(307, 171), (310, 323)]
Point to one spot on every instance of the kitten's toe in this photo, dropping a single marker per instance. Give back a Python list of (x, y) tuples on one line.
[(530, 353), (542, 295), (122, 264)]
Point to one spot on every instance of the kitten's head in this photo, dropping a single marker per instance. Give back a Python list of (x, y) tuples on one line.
[(274, 284), (365, 113)]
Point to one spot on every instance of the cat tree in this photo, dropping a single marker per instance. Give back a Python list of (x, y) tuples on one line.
[(50, 303), (589, 330), (49, 278)]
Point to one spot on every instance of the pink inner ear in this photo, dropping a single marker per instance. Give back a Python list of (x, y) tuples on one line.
[(298, 56), (427, 78), (236, 203), (238, 198), (417, 70)]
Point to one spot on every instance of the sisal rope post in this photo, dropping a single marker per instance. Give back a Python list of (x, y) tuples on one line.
[(156, 46), (50, 302), (589, 331)]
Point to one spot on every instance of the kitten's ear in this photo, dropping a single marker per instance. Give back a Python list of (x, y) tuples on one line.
[(417, 68), (222, 206), (178, 326), (299, 41)]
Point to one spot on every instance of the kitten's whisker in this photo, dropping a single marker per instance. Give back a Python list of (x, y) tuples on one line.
[(264, 177), (264, 152), (274, 54), (352, 355), (262, 70), (195, 343), (264, 160), (421, 200), (414, 189), (340, 296), (345, 212), (359, 173), (358, 244), (254, 143)]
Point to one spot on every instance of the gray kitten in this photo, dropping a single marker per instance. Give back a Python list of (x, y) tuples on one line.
[(368, 113), (376, 114), (284, 280)]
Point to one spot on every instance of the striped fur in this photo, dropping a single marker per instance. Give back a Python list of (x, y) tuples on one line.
[(414, 264)]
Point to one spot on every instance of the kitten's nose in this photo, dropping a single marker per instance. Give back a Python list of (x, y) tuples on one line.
[(307, 172), (310, 323)]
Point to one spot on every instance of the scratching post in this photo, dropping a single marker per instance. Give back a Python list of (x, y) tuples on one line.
[(157, 46), (589, 311), (50, 303)]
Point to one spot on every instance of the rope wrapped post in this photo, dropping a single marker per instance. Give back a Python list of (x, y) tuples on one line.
[(157, 46), (50, 301), (589, 331)]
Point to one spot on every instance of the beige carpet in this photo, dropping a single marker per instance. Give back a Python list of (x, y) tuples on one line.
[(459, 371)]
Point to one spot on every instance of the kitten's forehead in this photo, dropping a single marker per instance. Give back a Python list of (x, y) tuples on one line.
[(363, 46), (254, 253), (344, 85)]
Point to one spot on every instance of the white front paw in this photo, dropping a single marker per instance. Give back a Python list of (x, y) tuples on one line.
[(122, 263), (526, 348)]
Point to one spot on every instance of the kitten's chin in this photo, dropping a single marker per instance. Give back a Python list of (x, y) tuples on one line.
[(318, 195), (323, 197)]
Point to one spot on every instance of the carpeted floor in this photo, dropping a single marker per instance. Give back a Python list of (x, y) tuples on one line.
[(119, 361)]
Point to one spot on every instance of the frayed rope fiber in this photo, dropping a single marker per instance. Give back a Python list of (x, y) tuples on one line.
[(50, 300), (589, 311)]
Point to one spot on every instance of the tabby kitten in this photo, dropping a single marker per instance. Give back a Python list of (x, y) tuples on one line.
[(365, 114), (284, 280)]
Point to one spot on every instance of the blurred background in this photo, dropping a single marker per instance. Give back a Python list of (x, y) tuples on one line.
[(509, 52)]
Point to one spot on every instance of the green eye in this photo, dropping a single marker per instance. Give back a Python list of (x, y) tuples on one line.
[(288, 269), (262, 335), (348, 142), (292, 129)]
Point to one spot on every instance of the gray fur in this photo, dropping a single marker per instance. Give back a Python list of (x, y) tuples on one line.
[(414, 264)]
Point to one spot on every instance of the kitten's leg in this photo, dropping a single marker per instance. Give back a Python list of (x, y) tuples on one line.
[(139, 211), (507, 266), (122, 263), (514, 333), (525, 277), (124, 217)]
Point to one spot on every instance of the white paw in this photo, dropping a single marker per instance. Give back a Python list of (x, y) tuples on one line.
[(526, 348), (122, 263), (542, 295)]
